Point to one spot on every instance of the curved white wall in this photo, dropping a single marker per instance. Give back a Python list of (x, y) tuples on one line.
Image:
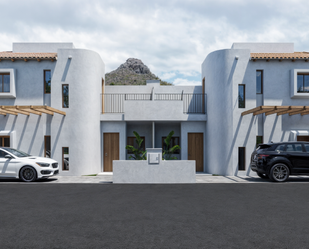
[(80, 128), (223, 72)]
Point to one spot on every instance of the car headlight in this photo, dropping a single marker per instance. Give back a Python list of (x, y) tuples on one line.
[(43, 164)]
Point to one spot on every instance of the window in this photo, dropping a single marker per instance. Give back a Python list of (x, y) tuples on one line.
[(294, 147), (5, 82), (3, 154), (307, 147), (65, 96), (47, 146), (302, 83), (241, 96), (4, 141), (280, 148), (259, 81), (241, 158), (132, 141), (65, 158), (47, 81), (259, 140), (174, 141)]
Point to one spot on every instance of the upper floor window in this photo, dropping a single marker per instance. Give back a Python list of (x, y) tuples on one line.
[(302, 83), (65, 96), (259, 81), (5, 82), (241, 96), (47, 81)]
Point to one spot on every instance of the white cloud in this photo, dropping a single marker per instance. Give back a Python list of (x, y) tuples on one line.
[(167, 76), (168, 36), (185, 82)]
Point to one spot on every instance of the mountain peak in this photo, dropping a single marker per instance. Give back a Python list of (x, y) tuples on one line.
[(132, 72), (136, 66)]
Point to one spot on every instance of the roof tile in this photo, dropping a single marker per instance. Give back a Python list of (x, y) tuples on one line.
[(282, 56), (11, 55)]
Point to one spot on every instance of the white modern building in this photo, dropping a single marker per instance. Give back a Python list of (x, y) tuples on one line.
[(256, 92), (53, 102), (50, 104)]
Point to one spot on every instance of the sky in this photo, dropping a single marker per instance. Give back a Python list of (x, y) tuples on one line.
[(171, 37)]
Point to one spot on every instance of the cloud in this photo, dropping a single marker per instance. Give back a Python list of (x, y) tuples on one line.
[(185, 82), (168, 36), (167, 76)]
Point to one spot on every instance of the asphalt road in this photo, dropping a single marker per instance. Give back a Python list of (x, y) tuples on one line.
[(154, 216)]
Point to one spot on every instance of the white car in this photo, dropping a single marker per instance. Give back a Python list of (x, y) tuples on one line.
[(18, 164)]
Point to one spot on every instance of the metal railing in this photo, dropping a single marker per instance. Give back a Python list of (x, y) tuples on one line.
[(194, 103), (112, 103), (168, 96), (137, 96)]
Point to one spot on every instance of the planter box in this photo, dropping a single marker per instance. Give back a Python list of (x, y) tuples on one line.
[(154, 170), (172, 171)]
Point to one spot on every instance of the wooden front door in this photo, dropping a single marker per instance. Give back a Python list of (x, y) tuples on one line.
[(110, 150), (195, 150)]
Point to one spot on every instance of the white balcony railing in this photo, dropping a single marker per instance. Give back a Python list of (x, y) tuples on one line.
[(193, 103)]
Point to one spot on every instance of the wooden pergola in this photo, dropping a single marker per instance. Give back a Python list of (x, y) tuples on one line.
[(279, 110), (28, 109)]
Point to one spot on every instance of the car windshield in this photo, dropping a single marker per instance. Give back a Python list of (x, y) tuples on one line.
[(16, 152)]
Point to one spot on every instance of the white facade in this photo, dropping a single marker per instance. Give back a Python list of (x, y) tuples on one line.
[(226, 129), (94, 109), (79, 129), (101, 119)]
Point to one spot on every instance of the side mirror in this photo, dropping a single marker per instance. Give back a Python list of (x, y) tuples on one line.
[(8, 156)]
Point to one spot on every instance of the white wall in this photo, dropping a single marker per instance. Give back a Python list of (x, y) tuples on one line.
[(226, 129), (28, 131), (80, 128)]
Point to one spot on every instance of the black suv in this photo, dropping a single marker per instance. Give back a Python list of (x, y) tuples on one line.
[(279, 160)]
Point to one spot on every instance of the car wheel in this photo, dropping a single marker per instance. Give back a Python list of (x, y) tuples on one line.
[(279, 172), (263, 176), (27, 174)]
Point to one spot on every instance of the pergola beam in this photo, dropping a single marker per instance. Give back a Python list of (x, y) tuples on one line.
[(290, 110), (14, 109), (276, 110), (251, 111), (55, 110), (279, 110), (264, 109), (2, 109), (303, 110), (27, 110), (41, 109)]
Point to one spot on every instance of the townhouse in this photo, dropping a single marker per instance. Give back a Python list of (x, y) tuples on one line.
[(54, 102)]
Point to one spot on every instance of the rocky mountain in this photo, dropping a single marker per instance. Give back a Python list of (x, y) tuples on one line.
[(132, 72)]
